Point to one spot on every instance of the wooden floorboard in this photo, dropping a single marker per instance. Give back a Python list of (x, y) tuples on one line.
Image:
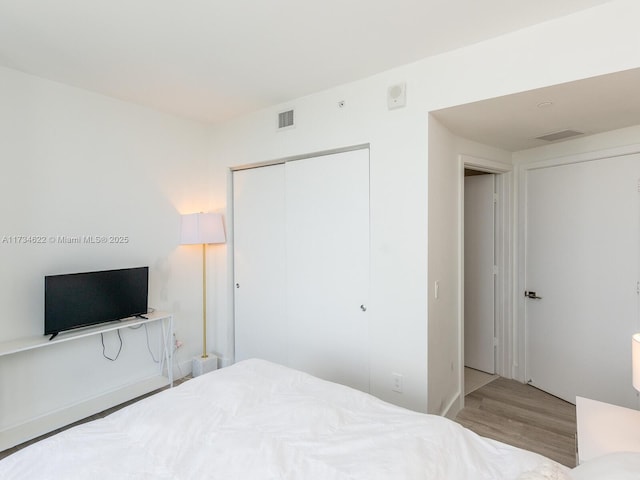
[(523, 416)]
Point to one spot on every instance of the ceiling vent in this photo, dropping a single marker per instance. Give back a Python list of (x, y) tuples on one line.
[(285, 119), (561, 135)]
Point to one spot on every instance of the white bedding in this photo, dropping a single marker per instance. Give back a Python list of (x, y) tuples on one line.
[(257, 420)]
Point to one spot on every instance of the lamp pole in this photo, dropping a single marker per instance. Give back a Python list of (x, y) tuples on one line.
[(204, 300)]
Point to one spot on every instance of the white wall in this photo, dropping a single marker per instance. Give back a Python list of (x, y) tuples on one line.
[(444, 331), (445, 326), (398, 193), (78, 163), (593, 42)]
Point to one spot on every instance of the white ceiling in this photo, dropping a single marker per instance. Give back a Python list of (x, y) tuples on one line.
[(594, 105), (213, 60)]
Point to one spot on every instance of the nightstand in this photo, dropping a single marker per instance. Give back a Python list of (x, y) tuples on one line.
[(605, 428)]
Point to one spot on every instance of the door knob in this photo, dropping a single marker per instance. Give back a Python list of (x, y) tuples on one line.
[(363, 308), (532, 295)]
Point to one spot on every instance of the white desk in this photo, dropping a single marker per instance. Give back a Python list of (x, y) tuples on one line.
[(41, 341), (605, 428)]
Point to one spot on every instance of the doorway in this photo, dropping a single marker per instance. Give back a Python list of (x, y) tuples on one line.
[(606, 108), (486, 270), (479, 272)]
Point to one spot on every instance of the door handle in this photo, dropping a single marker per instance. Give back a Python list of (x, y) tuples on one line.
[(532, 295)]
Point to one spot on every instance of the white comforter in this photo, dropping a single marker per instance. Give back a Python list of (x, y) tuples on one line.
[(257, 420)]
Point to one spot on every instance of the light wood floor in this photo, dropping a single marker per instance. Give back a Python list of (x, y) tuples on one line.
[(523, 416), (475, 379)]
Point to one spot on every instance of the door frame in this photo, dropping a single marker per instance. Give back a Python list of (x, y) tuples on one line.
[(521, 371), (504, 245)]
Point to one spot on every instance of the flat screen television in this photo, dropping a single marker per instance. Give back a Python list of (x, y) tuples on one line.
[(81, 299)]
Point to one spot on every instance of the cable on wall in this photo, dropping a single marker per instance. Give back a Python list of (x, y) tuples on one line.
[(104, 354), (146, 330)]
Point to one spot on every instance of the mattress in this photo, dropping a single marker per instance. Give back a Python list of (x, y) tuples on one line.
[(259, 420)]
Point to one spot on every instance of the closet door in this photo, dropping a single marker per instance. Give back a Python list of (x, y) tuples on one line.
[(327, 272), (259, 264)]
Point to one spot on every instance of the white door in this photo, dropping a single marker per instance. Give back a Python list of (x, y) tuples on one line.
[(259, 264), (327, 239), (301, 265), (582, 242), (479, 278)]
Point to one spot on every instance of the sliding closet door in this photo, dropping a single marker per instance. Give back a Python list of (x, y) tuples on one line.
[(327, 273), (259, 264)]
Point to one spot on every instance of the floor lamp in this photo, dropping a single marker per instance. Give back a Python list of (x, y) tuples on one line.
[(203, 229)]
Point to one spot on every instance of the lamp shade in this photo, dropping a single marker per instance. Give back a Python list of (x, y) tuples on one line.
[(201, 228), (635, 360)]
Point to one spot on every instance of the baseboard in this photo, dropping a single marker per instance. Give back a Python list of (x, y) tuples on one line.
[(453, 407), (224, 361), (182, 369), (23, 432)]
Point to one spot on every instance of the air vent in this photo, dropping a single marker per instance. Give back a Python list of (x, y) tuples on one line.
[(285, 119), (561, 135)]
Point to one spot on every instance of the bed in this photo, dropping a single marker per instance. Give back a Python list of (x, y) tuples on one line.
[(259, 420)]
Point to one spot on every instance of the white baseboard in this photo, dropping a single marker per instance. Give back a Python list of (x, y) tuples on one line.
[(181, 369), (453, 408), (17, 434), (224, 362)]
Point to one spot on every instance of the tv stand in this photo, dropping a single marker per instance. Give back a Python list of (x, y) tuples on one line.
[(39, 341), (53, 336)]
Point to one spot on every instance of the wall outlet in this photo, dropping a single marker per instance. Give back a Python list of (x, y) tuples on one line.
[(396, 382)]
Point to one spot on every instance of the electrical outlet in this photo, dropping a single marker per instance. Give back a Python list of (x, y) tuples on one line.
[(396, 382)]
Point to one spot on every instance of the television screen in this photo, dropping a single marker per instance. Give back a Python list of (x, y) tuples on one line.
[(82, 299)]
